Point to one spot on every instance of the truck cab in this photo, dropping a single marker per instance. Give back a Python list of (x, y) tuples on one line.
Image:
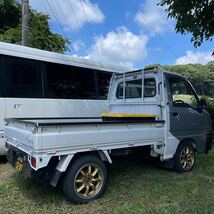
[(167, 96)]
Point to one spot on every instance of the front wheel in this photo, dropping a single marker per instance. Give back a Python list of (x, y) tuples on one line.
[(85, 180), (184, 158)]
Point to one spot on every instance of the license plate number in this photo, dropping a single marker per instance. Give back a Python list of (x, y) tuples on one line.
[(19, 166)]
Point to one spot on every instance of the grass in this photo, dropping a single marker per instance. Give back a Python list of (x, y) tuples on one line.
[(135, 186)]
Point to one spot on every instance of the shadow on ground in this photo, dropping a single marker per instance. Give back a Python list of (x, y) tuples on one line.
[(3, 159)]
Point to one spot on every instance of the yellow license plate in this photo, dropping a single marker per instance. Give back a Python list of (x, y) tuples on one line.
[(19, 166)]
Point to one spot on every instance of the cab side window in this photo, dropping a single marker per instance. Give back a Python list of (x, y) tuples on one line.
[(182, 93)]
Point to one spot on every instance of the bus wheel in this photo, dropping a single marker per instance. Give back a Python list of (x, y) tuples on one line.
[(184, 158), (85, 180)]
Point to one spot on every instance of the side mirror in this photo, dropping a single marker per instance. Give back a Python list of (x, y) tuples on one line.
[(202, 104)]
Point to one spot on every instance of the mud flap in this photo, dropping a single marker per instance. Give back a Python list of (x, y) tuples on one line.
[(167, 164)]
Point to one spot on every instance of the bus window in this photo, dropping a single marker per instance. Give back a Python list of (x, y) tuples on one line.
[(22, 78), (103, 81), (1, 76), (69, 82)]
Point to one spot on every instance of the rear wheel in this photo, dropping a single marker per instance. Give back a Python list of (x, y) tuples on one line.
[(184, 159), (86, 179)]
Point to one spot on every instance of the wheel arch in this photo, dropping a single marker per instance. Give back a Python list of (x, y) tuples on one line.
[(102, 154), (189, 140), (67, 160)]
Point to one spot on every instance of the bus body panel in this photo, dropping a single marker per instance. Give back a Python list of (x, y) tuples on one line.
[(2, 116), (74, 108), (24, 107)]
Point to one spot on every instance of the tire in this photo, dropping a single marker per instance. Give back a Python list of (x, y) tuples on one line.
[(184, 158), (85, 180)]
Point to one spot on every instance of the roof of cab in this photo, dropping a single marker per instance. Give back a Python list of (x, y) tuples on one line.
[(173, 74), (150, 69), (47, 56)]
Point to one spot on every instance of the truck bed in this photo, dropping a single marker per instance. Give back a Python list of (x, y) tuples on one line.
[(63, 136), (81, 120)]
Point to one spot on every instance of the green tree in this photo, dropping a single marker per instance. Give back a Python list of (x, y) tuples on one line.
[(210, 66), (41, 35), (192, 16), (11, 35), (10, 14), (201, 76)]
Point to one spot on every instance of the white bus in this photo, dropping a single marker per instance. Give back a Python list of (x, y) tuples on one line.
[(37, 84)]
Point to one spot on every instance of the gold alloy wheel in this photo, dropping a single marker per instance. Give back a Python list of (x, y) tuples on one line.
[(88, 181), (187, 158)]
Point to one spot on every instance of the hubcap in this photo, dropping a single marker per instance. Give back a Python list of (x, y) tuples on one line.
[(88, 181), (187, 158)]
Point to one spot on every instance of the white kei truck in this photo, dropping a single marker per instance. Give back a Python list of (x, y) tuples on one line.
[(148, 109)]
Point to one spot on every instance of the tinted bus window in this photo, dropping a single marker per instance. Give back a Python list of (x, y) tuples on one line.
[(103, 82), (1, 76), (69, 82), (22, 78)]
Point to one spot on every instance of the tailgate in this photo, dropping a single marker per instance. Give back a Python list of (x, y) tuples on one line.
[(20, 134)]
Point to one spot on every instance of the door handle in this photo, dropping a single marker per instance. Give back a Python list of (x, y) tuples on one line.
[(175, 114)]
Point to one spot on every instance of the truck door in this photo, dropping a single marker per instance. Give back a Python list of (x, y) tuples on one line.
[(186, 121)]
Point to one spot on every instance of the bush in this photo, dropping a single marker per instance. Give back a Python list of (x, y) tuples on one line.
[(210, 107)]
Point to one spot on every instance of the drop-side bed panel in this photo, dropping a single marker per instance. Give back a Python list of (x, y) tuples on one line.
[(71, 136)]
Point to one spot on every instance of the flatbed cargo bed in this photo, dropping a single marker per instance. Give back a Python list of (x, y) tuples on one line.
[(61, 136), (80, 121)]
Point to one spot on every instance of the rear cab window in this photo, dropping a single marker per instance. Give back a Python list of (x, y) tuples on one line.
[(133, 88)]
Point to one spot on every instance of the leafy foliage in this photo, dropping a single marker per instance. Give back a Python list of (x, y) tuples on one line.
[(41, 36), (10, 14), (210, 108), (192, 16), (40, 33), (12, 35), (201, 76)]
